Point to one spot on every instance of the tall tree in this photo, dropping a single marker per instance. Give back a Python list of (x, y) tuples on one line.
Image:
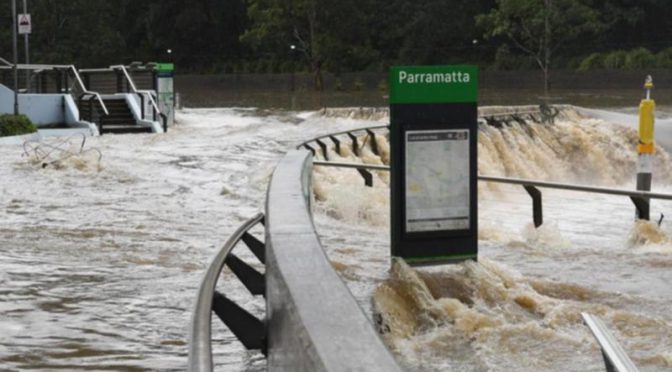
[(323, 32), (539, 28)]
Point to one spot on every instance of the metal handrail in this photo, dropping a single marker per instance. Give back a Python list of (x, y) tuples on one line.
[(200, 348), (574, 187), (351, 165), (135, 90), (615, 358), (342, 133), (70, 68), (482, 116), (522, 182), (315, 323)]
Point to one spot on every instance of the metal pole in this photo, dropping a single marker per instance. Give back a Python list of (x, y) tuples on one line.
[(27, 45), (16, 60)]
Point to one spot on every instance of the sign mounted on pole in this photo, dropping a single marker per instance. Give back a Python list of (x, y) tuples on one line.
[(25, 24), (433, 125)]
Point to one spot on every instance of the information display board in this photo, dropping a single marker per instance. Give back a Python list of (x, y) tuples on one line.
[(166, 90), (433, 117), (437, 192)]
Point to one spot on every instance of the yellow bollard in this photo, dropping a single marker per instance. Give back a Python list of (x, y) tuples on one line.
[(646, 121), (646, 147)]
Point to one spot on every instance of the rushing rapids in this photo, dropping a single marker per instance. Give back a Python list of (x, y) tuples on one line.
[(519, 307), (100, 261)]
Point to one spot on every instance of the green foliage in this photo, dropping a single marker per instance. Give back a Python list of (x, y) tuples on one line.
[(594, 61), (615, 60), (358, 85), (229, 36), (635, 59), (664, 58), (14, 125), (382, 86), (539, 28), (505, 59), (640, 58), (338, 85)]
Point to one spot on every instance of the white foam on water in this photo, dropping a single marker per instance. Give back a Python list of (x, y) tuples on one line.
[(519, 307)]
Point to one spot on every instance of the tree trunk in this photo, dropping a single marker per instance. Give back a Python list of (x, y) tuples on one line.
[(547, 47)]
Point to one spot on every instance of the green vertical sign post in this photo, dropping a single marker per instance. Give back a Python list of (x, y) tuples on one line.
[(166, 90), (433, 135)]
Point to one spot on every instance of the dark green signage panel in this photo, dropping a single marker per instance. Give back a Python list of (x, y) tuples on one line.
[(433, 138), (433, 84)]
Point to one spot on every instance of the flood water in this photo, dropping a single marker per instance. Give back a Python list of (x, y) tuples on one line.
[(99, 264), (100, 261), (519, 307)]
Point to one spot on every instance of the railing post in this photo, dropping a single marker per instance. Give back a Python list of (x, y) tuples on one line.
[(323, 146), (537, 212), (336, 142), (79, 108), (355, 143), (142, 106), (59, 81), (642, 206), (374, 143)]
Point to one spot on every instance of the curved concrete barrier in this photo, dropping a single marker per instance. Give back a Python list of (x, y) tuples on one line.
[(314, 322)]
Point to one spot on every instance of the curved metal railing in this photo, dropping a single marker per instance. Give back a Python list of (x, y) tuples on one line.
[(314, 322), (200, 346), (640, 199)]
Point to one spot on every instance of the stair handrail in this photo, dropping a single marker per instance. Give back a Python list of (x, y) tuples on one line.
[(135, 90), (200, 347), (85, 91), (70, 68)]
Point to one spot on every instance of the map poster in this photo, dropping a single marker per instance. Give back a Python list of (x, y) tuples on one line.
[(437, 180)]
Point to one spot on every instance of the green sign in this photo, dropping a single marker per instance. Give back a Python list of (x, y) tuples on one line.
[(433, 149), (164, 67), (433, 84)]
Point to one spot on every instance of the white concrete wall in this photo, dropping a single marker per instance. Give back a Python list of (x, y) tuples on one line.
[(42, 109), (71, 110)]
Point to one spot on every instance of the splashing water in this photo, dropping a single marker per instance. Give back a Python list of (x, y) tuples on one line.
[(484, 316), (588, 256)]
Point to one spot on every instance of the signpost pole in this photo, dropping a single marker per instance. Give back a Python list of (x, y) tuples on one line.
[(16, 59), (27, 46)]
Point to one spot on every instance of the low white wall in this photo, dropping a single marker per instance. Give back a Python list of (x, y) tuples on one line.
[(42, 109)]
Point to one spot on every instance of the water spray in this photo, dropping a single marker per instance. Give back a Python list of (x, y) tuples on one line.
[(646, 146)]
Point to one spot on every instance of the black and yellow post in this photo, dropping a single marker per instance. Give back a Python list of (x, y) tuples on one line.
[(646, 147)]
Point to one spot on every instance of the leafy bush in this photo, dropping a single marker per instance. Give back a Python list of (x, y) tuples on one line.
[(594, 61), (338, 85), (358, 85), (615, 60), (664, 58), (14, 125), (640, 58)]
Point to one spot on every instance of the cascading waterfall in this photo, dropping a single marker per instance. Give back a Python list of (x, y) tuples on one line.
[(490, 316)]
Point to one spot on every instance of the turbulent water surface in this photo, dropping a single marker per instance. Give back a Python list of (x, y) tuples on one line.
[(100, 261)]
